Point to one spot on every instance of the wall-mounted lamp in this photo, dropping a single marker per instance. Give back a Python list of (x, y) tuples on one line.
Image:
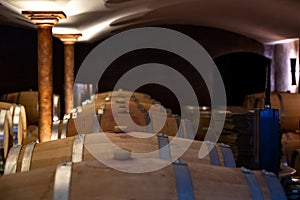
[(293, 70)]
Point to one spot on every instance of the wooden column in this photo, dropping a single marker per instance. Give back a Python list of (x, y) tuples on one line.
[(45, 21), (68, 40)]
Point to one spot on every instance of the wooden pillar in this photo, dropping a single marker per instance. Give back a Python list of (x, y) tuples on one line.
[(68, 40), (45, 21)]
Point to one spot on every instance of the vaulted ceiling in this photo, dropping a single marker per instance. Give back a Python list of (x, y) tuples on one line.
[(267, 21)]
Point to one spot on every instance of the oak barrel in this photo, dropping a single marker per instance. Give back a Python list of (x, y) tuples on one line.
[(290, 142), (289, 111), (59, 129), (18, 123), (93, 180), (5, 125), (256, 100), (295, 160), (170, 125), (53, 152), (140, 97), (288, 105), (138, 108), (32, 134), (67, 127), (138, 114), (123, 113), (63, 128), (29, 99), (80, 120), (190, 112)]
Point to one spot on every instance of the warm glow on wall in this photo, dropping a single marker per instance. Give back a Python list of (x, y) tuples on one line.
[(90, 32), (282, 53), (282, 41)]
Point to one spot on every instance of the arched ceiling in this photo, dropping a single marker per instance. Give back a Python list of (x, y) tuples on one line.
[(267, 21)]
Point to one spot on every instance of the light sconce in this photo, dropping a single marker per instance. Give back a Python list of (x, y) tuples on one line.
[(293, 70)]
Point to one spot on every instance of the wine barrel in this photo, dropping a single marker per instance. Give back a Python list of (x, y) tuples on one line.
[(143, 98), (44, 154), (80, 120), (18, 125), (99, 101), (288, 105), (32, 134), (257, 100), (295, 160), (290, 142), (252, 101), (139, 104), (186, 129), (67, 128), (122, 114), (170, 127), (158, 115), (289, 110), (138, 97), (139, 116), (5, 125), (60, 129), (82, 92), (121, 106), (148, 104), (108, 122), (100, 97), (190, 113), (64, 128), (29, 99), (182, 181)]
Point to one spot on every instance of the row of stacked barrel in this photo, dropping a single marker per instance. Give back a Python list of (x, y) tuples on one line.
[(19, 119), (189, 178), (88, 178), (81, 120), (119, 111), (237, 132), (80, 123), (13, 127)]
